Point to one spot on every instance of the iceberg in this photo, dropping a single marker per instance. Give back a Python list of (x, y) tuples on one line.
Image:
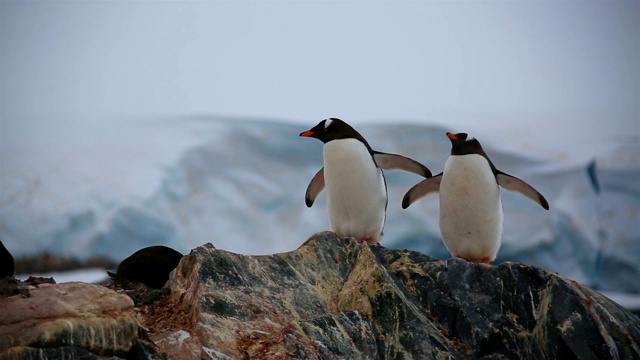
[(239, 184)]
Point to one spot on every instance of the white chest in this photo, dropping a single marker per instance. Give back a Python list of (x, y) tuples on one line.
[(348, 164), (356, 193), (469, 179), (470, 207)]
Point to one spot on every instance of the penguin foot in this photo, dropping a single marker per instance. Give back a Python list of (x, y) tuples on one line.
[(368, 240), (484, 260)]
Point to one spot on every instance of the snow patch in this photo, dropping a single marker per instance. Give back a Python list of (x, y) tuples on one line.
[(240, 186)]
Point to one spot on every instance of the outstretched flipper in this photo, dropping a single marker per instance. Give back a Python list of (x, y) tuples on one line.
[(423, 188), (399, 162), (512, 183), (315, 187)]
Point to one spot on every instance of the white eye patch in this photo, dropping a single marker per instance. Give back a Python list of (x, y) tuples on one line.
[(327, 123)]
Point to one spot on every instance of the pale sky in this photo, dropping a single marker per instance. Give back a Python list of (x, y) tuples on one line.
[(564, 72)]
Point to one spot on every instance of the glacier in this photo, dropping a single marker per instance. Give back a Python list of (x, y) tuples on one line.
[(239, 184)]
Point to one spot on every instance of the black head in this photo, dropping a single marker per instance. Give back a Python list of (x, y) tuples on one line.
[(461, 144), (333, 129)]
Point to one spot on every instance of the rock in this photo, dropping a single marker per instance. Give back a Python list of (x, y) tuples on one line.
[(38, 280), (332, 298), (150, 266), (7, 265), (47, 262), (72, 320), (9, 286), (337, 298)]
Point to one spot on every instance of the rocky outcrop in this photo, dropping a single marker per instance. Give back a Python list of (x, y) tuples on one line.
[(69, 321), (340, 298), (332, 298)]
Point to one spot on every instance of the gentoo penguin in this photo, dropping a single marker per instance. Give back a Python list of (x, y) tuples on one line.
[(352, 174), (470, 204)]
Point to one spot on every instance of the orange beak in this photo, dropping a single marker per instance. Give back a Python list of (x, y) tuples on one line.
[(452, 136), (307, 133)]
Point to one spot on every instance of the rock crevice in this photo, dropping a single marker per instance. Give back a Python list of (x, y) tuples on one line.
[(332, 298), (71, 320), (340, 298)]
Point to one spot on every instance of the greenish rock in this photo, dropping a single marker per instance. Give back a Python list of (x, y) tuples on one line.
[(338, 298)]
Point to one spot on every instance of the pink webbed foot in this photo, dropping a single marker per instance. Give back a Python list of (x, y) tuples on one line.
[(484, 260)]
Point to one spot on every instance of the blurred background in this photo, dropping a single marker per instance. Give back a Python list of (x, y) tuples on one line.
[(130, 124)]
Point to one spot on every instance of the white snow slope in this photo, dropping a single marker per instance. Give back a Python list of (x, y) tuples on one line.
[(240, 184)]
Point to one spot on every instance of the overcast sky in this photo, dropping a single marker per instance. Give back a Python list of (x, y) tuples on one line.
[(562, 71)]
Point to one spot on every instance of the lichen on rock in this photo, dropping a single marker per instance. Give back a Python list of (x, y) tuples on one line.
[(332, 298), (70, 320), (340, 298)]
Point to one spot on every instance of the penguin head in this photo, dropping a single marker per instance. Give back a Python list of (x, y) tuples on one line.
[(462, 144), (333, 129)]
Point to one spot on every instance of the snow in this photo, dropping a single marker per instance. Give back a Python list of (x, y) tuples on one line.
[(628, 301), (239, 184), (91, 275)]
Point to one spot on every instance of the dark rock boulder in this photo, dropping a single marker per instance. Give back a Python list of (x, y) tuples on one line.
[(150, 266), (340, 298), (332, 298), (514, 310)]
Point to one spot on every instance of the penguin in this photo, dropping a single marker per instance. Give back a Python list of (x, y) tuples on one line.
[(471, 215), (352, 175)]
